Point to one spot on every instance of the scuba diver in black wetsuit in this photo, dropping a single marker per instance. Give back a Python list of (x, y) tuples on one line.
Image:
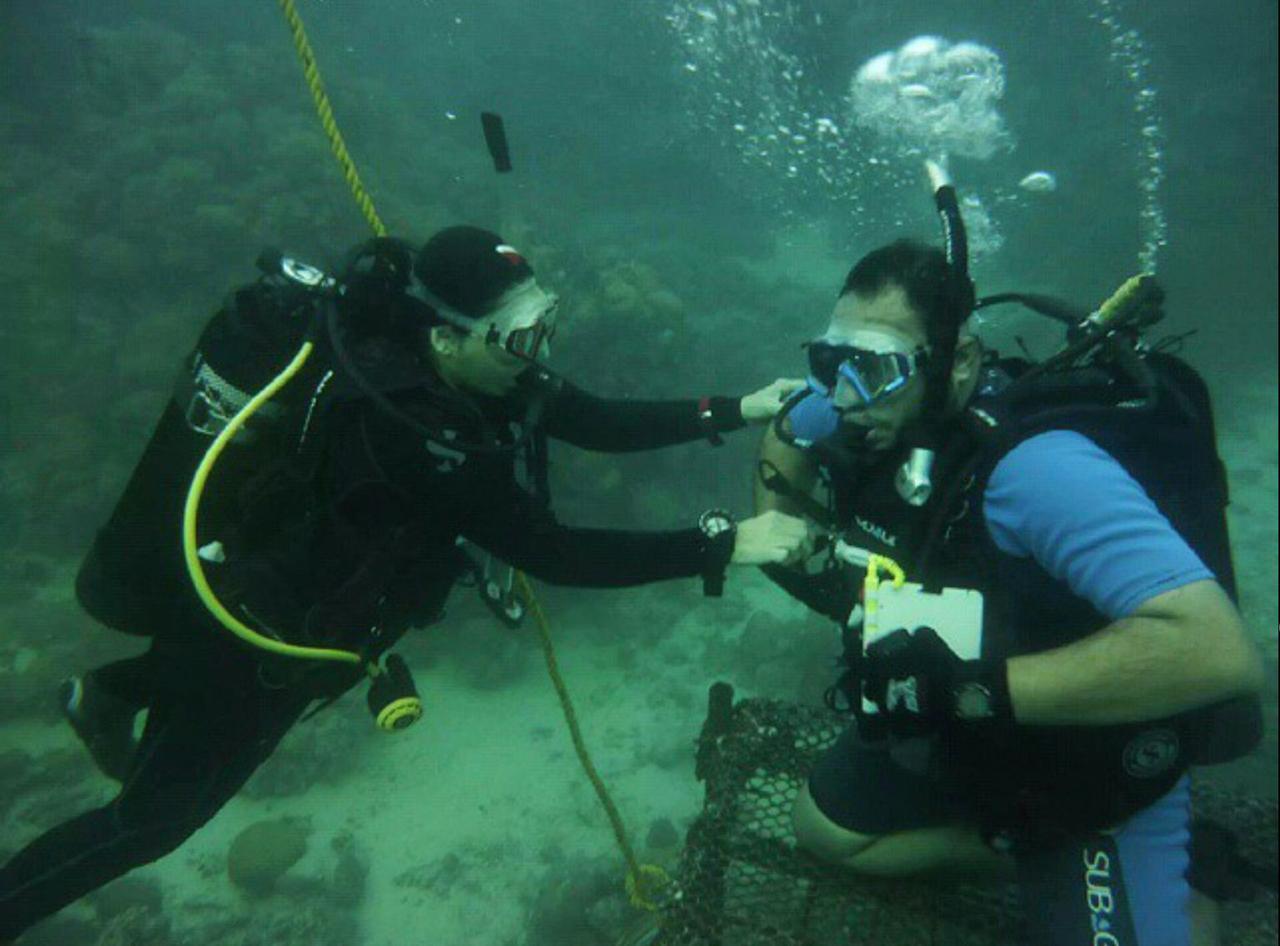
[(1034, 580), (325, 520)]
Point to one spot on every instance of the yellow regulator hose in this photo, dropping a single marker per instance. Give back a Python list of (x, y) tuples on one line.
[(191, 518)]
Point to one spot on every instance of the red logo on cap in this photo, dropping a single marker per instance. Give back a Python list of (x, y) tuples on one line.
[(510, 254)]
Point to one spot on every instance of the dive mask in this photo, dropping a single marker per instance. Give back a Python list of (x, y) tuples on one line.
[(523, 324), (863, 368)]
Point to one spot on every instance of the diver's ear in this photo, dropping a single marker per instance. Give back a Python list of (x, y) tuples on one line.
[(965, 366)]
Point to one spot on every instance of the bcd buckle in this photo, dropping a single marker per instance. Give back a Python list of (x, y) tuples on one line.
[(499, 595)]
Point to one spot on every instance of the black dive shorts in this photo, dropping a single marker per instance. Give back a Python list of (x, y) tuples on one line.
[(861, 788), (1123, 887)]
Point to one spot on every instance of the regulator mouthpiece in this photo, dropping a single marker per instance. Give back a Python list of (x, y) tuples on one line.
[(914, 481)]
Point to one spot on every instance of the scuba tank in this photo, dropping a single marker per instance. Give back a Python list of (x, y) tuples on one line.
[(393, 698), (135, 563), (244, 403)]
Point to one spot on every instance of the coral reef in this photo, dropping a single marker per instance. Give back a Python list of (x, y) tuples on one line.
[(262, 852), (437, 877), (62, 930), (22, 572), (129, 893), (309, 924), (102, 308), (321, 751), (136, 926), (100, 305), (40, 790), (784, 658), (350, 872), (626, 300), (305, 918), (44, 638)]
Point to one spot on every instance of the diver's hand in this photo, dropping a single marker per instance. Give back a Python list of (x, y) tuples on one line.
[(772, 538), (920, 686), (763, 405)]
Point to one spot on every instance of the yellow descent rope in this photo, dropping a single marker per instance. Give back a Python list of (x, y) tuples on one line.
[(645, 882), (312, 73)]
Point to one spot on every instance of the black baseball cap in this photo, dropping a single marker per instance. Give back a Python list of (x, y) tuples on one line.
[(470, 268)]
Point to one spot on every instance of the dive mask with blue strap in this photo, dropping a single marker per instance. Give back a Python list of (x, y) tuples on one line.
[(863, 368), (848, 373)]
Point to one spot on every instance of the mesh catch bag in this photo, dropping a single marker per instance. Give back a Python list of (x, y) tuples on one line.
[(742, 882)]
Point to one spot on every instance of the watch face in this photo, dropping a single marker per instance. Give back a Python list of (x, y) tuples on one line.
[(973, 701), (715, 523)]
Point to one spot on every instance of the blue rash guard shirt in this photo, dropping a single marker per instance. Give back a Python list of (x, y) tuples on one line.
[(1061, 499)]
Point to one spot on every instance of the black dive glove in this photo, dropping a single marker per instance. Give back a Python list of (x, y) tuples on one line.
[(920, 686)]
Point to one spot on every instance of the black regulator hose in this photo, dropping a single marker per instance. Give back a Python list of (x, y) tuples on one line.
[(351, 370), (1049, 306)]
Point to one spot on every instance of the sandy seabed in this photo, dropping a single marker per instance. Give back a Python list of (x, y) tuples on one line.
[(477, 823)]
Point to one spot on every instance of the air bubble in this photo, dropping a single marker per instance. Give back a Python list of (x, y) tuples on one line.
[(935, 96), (1039, 182)]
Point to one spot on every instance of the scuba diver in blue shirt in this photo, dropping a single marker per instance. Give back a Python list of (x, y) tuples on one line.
[(1081, 502), (274, 546)]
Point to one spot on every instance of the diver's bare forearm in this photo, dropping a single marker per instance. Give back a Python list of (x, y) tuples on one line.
[(1185, 650)]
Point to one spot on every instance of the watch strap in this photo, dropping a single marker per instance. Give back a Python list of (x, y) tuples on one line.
[(707, 421), (719, 531)]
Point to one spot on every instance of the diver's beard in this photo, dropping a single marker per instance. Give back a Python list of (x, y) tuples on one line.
[(850, 434), (856, 442), (874, 442), (861, 439)]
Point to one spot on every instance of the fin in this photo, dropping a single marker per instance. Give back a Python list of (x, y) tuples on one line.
[(103, 723)]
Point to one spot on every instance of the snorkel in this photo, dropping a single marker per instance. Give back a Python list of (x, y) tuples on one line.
[(914, 479)]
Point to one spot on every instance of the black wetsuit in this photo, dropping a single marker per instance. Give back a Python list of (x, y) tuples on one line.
[(361, 551)]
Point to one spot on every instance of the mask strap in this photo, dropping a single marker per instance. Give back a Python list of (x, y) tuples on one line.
[(445, 312)]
